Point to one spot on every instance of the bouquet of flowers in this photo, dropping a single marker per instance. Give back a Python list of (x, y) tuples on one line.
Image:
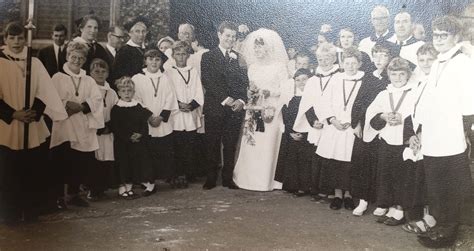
[(257, 113)]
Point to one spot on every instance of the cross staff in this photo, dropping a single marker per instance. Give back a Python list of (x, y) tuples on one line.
[(29, 27)]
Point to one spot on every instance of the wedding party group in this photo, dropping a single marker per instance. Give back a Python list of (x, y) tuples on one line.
[(384, 121)]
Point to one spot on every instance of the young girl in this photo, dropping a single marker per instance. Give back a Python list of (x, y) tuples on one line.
[(186, 83), (309, 112), (294, 160), (385, 117), (346, 40), (102, 176), (154, 92), (129, 123), (337, 138), (75, 139), (364, 154)]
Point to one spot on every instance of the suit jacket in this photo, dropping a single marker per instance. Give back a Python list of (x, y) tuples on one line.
[(48, 58), (128, 62), (220, 80), (110, 62)]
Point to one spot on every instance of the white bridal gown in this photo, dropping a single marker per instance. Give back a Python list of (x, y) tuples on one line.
[(256, 164)]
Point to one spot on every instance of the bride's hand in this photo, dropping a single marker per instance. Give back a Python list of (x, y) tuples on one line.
[(266, 93)]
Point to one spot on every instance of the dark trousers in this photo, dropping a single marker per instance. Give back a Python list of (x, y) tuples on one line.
[(102, 176), (335, 174), (448, 184), (364, 169), (162, 156), (73, 166), (414, 190), (222, 129), (21, 190), (185, 153)]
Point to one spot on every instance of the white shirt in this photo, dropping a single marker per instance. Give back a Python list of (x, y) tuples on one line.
[(106, 141), (408, 51), (367, 44), (448, 95), (56, 51), (111, 49)]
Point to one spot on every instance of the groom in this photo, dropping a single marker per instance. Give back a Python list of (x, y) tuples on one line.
[(225, 84)]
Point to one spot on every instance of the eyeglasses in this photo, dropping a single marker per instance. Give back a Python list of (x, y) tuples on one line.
[(76, 58), (441, 36), (119, 37)]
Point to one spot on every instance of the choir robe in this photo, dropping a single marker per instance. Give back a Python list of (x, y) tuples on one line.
[(368, 43), (313, 100), (133, 158), (189, 93), (393, 172), (335, 144), (194, 60), (106, 141), (80, 128), (128, 61), (294, 159), (162, 105), (43, 98), (407, 49)]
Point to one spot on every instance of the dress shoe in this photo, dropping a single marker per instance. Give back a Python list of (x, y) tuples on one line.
[(381, 219), (349, 203), (210, 184), (147, 193), (336, 204), (230, 185), (393, 222)]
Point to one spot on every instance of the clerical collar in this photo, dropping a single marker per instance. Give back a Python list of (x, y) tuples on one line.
[(15, 56), (354, 77), (333, 70), (133, 44), (153, 75), (122, 103), (456, 50), (66, 69)]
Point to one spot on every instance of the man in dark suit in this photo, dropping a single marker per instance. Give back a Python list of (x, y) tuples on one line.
[(115, 39), (53, 56), (225, 84)]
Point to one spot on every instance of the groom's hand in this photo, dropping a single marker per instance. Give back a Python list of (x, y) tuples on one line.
[(230, 101), (237, 105)]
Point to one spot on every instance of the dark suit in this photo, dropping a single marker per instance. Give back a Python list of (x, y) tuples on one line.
[(48, 58), (110, 62), (222, 79)]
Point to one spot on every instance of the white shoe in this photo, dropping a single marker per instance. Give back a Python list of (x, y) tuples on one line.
[(380, 211), (361, 208)]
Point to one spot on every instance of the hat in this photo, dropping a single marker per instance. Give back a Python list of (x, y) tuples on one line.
[(139, 19)]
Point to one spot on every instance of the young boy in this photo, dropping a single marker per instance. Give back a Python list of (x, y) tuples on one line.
[(129, 124), (385, 117), (294, 159), (364, 154), (312, 103), (187, 87), (74, 140), (21, 167), (154, 92), (302, 61), (101, 177), (445, 112)]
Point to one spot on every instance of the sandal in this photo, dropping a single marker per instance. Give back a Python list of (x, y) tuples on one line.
[(414, 228)]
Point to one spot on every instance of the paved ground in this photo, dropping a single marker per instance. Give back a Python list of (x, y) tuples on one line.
[(219, 219)]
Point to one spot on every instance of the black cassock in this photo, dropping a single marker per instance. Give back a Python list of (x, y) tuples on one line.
[(294, 160), (132, 158), (128, 62)]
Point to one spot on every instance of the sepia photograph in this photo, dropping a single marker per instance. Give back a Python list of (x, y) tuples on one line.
[(236, 125)]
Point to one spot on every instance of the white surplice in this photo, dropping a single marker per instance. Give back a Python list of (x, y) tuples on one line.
[(156, 100), (336, 144), (106, 141), (314, 96), (186, 93), (79, 129), (12, 92), (256, 164)]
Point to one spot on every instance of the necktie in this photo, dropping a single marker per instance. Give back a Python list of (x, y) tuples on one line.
[(227, 57), (58, 58)]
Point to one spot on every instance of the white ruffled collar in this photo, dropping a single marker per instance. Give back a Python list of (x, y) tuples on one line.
[(122, 103), (186, 68), (66, 69), (325, 73), (21, 55), (356, 76), (152, 75), (393, 89), (105, 87)]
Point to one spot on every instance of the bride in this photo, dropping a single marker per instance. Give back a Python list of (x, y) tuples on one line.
[(267, 60)]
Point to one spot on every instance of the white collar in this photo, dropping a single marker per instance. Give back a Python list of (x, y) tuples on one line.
[(105, 87), (447, 55), (122, 103), (224, 50), (325, 73), (133, 44), (111, 49), (377, 74), (80, 39), (383, 35), (393, 89), (66, 69), (356, 76), (21, 55), (186, 68), (152, 75), (402, 42)]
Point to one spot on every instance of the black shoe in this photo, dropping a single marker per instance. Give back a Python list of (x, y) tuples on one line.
[(393, 222), (382, 219), (61, 204), (230, 185), (299, 194), (147, 193), (336, 204), (349, 203), (210, 184), (78, 201)]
